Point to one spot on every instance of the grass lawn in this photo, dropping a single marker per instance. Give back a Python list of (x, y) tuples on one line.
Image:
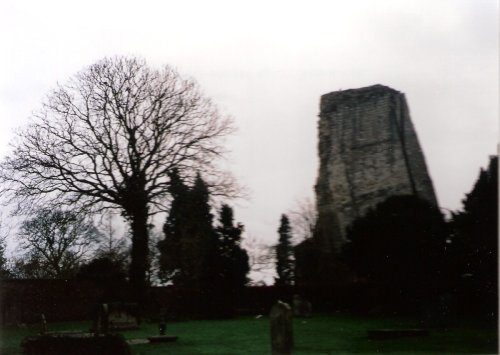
[(322, 334)]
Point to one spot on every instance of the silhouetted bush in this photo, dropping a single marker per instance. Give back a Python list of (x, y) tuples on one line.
[(85, 344)]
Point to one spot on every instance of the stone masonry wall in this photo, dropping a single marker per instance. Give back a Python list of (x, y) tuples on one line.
[(368, 151)]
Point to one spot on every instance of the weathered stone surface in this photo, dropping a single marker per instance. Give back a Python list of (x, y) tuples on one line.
[(281, 329), (368, 151)]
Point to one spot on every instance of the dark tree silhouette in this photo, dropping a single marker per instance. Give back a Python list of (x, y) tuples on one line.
[(284, 253), (190, 239), (108, 139), (108, 274), (475, 241), (196, 256), (58, 241), (232, 259), (174, 229), (400, 245), (4, 267)]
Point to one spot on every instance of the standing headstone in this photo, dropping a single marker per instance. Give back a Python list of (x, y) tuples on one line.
[(162, 327), (101, 321), (281, 329), (122, 316), (104, 318), (301, 307), (43, 328)]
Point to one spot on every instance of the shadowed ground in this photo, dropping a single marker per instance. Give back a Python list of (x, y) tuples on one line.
[(322, 334)]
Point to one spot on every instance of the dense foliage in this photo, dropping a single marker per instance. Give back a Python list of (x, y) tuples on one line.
[(194, 253), (475, 243), (190, 240), (107, 274), (400, 245), (232, 259)]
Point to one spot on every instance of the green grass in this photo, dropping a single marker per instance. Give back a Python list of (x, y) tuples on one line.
[(322, 334)]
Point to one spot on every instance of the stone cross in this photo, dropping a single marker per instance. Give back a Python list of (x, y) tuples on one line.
[(281, 329)]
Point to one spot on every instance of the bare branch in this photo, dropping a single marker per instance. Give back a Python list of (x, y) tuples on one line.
[(115, 123)]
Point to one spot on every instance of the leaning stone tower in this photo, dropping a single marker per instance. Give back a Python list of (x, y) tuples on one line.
[(368, 151)]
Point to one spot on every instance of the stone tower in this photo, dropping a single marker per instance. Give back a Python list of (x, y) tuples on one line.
[(368, 151)]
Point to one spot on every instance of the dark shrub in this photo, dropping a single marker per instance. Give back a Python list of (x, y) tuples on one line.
[(75, 344)]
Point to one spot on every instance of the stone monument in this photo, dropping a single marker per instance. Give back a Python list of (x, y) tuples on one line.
[(281, 329)]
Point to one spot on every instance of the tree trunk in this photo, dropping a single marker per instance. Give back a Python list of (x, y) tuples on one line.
[(138, 265)]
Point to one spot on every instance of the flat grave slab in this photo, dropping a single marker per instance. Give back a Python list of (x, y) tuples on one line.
[(137, 341), (381, 334), (163, 338)]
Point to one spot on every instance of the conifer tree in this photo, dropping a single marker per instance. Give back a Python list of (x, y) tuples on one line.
[(233, 259), (174, 228), (190, 239), (475, 240), (284, 253), (199, 244)]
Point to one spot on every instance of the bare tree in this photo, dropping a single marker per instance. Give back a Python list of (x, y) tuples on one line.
[(108, 138), (261, 258), (303, 220), (5, 271), (113, 246), (57, 240)]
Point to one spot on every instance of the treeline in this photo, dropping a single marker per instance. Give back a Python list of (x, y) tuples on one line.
[(195, 251), (421, 262), (404, 250)]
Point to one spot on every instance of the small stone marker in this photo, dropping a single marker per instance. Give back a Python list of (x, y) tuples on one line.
[(162, 327), (43, 328), (101, 321), (301, 307), (281, 329), (104, 313)]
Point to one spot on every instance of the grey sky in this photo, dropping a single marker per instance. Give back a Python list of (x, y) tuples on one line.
[(266, 63)]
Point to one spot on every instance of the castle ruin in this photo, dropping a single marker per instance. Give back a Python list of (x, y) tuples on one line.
[(368, 151)]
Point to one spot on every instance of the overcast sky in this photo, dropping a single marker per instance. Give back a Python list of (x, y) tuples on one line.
[(266, 63)]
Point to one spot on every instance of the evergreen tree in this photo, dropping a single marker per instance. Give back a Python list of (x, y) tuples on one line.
[(190, 239), (400, 246), (284, 253), (474, 244), (233, 259), (200, 242), (174, 228)]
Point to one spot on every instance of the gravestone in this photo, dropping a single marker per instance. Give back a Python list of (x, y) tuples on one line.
[(43, 328), (122, 316), (101, 323), (281, 329), (115, 316), (162, 338), (301, 307)]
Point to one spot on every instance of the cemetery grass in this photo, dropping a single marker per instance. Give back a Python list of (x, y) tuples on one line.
[(321, 334)]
